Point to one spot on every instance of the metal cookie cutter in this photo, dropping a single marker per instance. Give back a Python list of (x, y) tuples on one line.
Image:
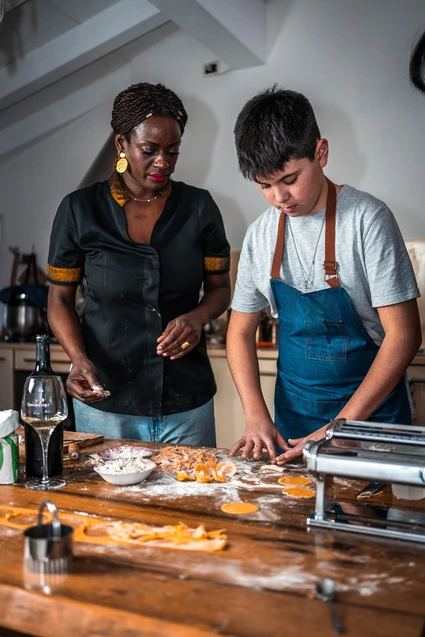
[(48, 547)]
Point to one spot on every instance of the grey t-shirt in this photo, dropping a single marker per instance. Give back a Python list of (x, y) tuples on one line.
[(373, 264)]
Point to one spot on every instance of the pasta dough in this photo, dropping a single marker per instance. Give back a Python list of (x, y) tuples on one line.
[(92, 530), (298, 492), (239, 508), (272, 467), (294, 480)]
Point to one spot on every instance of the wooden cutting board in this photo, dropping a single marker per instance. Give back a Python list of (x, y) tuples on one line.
[(74, 441)]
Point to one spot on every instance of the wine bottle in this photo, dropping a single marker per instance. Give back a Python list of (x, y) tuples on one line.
[(33, 451)]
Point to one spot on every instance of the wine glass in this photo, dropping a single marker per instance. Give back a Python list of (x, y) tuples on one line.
[(44, 406)]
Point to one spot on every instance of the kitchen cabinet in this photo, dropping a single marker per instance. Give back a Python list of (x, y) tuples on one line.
[(229, 418), (416, 375), (6, 378), (25, 359), (418, 394), (17, 360)]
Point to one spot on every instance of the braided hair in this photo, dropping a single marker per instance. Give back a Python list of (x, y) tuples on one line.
[(143, 100)]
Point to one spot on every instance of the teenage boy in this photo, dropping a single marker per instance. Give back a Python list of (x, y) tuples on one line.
[(331, 263)]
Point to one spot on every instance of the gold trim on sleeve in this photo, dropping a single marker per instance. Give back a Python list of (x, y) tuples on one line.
[(64, 275), (216, 264)]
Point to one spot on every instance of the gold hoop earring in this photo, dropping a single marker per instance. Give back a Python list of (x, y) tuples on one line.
[(122, 164)]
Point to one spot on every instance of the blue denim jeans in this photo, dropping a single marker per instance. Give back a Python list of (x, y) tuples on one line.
[(193, 427)]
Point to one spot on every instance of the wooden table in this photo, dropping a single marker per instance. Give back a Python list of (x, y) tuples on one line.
[(261, 585)]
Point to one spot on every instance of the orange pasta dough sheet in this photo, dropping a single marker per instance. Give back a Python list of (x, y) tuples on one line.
[(294, 481)]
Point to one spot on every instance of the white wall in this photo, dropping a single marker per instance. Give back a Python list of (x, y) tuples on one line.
[(349, 57)]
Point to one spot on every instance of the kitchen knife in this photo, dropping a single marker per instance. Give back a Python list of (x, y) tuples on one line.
[(370, 489)]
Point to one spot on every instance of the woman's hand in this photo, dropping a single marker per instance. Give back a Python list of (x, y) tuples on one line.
[(298, 445), (257, 437), (180, 336), (82, 382)]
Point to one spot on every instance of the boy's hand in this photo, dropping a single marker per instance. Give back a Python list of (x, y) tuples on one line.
[(298, 445), (258, 436)]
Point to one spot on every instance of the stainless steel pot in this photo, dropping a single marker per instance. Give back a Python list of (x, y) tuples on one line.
[(22, 318)]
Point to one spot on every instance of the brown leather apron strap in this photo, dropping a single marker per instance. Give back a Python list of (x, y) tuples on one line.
[(278, 253), (330, 265)]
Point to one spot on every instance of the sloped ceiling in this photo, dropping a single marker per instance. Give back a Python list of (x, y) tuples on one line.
[(43, 42), (28, 24)]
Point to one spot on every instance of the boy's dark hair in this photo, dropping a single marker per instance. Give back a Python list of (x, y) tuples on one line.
[(273, 127)]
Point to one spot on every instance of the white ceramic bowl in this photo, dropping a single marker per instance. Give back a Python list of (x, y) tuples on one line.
[(123, 477)]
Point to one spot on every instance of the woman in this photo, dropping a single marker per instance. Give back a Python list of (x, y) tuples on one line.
[(146, 245)]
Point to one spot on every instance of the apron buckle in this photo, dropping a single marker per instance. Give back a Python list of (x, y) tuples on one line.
[(330, 268)]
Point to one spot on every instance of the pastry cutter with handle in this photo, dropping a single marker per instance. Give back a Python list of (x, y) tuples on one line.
[(48, 547)]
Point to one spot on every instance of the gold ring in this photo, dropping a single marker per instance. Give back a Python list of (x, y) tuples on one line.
[(185, 345)]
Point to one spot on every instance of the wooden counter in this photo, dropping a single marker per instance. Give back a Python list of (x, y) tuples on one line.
[(261, 585)]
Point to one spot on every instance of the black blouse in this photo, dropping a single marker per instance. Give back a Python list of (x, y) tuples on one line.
[(135, 289)]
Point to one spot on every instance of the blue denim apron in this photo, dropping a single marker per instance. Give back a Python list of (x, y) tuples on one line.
[(324, 350)]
